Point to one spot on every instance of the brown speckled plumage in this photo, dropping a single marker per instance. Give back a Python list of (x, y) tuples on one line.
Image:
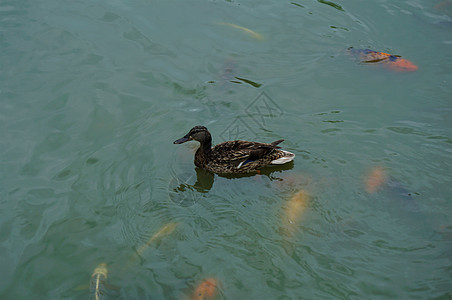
[(233, 156)]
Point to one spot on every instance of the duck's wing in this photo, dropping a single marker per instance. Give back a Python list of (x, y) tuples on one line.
[(245, 146), (239, 153)]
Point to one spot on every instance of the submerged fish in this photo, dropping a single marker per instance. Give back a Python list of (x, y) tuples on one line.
[(252, 33), (98, 279), (379, 180), (295, 207), (375, 179), (207, 289), (164, 231), (394, 62)]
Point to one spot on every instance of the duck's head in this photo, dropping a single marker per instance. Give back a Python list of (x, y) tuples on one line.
[(197, 133)]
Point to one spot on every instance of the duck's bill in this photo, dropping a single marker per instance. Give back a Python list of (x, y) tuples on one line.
[(182, 140)]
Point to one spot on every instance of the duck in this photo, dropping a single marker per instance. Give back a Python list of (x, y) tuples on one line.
[(234, 156)]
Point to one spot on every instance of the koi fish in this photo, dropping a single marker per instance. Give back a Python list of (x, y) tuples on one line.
[(375, 179), (296, 205), (207, 289), (379, 180), (164, 231), (252, 33), (98, 279), (394, 62)]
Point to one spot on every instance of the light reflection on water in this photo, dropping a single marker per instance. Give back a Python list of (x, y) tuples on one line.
[(93, 94)]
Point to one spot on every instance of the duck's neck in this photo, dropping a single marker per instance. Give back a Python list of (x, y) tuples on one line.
[(202, 155)]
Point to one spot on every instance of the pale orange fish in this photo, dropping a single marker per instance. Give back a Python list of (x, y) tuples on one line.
[(296, 206), (98, 279), (164, 231), (252, 33), (376, 178), (207, 289)]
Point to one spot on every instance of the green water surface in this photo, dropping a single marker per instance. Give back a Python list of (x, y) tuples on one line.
[(93, 93)]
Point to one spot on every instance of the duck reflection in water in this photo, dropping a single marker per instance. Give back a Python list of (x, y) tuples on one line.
[(205, 179), (203, 184)]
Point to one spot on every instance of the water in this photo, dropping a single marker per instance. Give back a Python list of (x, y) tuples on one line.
[(94, 93)]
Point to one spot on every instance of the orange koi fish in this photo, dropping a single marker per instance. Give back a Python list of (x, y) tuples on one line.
[(375, 179), (394, 62), (207, 289)]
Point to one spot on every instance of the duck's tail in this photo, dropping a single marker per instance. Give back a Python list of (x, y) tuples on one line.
[(285, 158), (275, 143)]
